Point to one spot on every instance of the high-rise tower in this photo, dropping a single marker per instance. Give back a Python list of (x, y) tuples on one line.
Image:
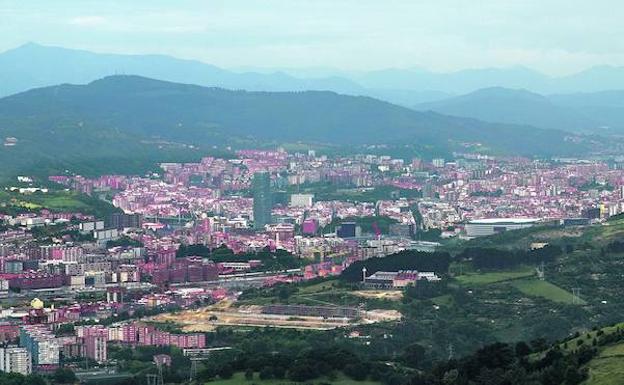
[(262, 200)]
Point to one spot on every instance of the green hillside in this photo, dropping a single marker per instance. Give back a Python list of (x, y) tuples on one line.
[(608, 367), (125, 122), (55, 200)]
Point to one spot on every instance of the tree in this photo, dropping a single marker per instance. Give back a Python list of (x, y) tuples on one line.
[(65, 329), (249, 373), (207, 373), (413, 355), (522, 349), (405, 260), (266, 373), (573, 376), (450, 377), (283, 293), (64, 375), (35, 379), (302, 371), (358, 371), (11, 378), (226, 371), (279, 372)]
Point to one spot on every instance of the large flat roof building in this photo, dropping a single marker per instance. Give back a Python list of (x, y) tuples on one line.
[(491, 226)]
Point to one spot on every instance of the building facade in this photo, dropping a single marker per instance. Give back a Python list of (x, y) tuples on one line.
[(262, 200), (14, 359), (41, 344)]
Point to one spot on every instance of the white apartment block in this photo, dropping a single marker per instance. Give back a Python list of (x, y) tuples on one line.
[(15, 360)]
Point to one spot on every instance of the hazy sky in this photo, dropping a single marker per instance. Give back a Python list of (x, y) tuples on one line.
[(554, 36)]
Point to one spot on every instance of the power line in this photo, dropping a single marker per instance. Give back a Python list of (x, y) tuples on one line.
[(576, 295), (193, 372)]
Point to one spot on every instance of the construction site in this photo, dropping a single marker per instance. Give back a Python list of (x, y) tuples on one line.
[(278, 316)]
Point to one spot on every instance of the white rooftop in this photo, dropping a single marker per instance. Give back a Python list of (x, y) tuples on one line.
[(491, 221)]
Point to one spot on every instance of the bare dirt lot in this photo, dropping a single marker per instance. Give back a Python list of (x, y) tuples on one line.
[(225, 314), (392, 295)]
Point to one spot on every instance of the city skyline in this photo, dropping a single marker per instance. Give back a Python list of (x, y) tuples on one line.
[(311, 192)]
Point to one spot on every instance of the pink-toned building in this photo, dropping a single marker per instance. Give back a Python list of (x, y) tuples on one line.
[(148, 335), (309, 226), (8, 332), (95, 347)]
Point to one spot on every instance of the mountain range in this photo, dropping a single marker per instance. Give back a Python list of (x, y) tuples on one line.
[(594, 79), (33, 65), (163, 108), (136, 119), (598, 112)]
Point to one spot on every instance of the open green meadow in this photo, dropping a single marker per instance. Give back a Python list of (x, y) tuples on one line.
[(608, 367), (544, 289), (55, 200), (606, 371), (61, 202), (487, 278), (443, 300), (318, 287)]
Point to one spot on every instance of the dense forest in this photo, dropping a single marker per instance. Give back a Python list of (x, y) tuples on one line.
[(491, 258), (405, 260), (271, 260), (126, 123)]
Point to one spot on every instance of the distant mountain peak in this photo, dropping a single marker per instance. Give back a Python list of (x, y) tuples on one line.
[(513, 106), (21, 69), (504, 92), (141, 107), (30, 44)]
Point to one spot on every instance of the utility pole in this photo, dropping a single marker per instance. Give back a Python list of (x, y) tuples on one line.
[(576, 295), (153, 379), (193, 372), (161, 380), (451, 351), (541, 272)]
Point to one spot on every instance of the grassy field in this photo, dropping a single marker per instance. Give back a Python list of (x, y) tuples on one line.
[(239, 379), (443, 300), (329, 292), (604, 233), (495, 276), (608, 367), (572, 344), (62, 202), (613, 351), (56, 200), (537, 288), (51, 200), (317, 287)]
